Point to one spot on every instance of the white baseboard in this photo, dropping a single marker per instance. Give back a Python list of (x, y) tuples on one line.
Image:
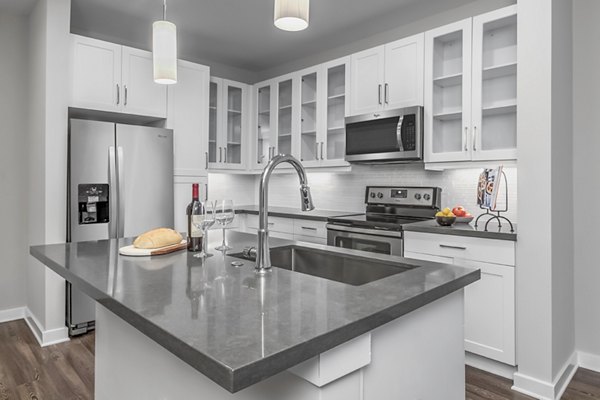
[(491, 366), (547, 390), (12, 314), (43, 336), (589, 361)]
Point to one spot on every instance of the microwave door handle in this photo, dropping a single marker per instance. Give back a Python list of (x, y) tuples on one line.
[(399, 133)]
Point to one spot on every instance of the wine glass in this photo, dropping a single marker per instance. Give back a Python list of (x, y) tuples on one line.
[(206, 220), (224, 214)]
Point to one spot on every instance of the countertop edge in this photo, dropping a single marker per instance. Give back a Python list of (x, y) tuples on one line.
[(456, 232)]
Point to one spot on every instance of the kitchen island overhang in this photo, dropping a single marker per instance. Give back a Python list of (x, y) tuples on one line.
[(241, 335)]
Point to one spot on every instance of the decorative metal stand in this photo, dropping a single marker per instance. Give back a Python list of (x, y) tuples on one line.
[(497, 216)]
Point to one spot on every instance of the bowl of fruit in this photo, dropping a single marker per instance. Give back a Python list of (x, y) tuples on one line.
[(445, 217), (462, 215)]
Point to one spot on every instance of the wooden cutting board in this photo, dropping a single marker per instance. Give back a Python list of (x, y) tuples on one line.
[(134, 252)]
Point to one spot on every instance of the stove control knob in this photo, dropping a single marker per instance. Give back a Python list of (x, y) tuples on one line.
[(380, 195), (418, 196), (372, 195), (427, 196)]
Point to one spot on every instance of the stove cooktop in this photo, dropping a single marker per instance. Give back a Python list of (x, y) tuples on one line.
[(375, 221)]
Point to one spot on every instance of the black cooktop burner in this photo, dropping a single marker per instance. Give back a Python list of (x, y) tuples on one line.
[(375, 221)]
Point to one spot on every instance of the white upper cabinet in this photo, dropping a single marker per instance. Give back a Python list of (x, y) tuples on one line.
[(141, 95), (388, 76), (494, 112), (302, 114), (96, 74), (367, 79), (188, 117), (448, 92), (228, 124), (470, 89), (404, 72), (114, 78)]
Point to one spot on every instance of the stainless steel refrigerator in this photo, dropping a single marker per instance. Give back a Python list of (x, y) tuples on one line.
[(120, 185)]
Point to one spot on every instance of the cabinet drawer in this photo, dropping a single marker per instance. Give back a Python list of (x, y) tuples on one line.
[(276, 224), (468, 248), (306, 227)]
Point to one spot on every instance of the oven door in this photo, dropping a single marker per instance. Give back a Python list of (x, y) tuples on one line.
[(371, 240)]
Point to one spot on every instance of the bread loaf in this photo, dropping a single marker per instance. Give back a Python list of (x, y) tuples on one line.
[(157, 238)]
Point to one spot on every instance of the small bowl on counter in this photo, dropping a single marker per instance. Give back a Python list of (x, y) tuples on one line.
[(445, 221)]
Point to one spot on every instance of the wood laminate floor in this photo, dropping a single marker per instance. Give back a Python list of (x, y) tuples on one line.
[(66, 371)]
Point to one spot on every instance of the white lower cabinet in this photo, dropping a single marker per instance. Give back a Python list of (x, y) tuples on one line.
[(303, 230), (489, 302)]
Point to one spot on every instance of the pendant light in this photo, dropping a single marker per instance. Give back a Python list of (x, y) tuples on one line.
[(291, 15), (164, 50)]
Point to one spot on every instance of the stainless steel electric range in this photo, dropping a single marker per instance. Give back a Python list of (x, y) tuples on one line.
[(388, 209)]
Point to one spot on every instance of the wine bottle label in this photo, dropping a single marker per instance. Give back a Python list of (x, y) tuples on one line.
[(196, 222)]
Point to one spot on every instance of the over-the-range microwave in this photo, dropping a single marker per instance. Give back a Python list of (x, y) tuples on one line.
[(385, 136)]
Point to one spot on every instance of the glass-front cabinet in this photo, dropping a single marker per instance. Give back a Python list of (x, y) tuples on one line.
[(471, 89), (228, 113), (308, 109)]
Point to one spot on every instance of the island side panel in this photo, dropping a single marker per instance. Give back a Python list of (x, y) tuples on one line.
[(129, 365), (420, 355)]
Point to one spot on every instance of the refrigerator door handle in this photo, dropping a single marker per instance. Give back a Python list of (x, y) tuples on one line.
[(121, 194), (112, 182)]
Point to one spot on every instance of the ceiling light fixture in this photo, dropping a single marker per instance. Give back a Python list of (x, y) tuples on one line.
[(164, 50), (291, 15)]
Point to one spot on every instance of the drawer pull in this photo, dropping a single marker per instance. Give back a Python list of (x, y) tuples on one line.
[(449, 246), (309, 228), (271, 223)]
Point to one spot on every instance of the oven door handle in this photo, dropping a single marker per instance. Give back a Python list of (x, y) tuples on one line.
[(363, 231)]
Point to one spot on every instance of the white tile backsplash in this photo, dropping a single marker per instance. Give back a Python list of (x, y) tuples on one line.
[(346, 191)]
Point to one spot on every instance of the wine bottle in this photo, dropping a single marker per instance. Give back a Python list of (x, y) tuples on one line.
[(194, 216)]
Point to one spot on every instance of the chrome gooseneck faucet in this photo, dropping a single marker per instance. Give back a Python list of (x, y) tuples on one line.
[(263, 257)]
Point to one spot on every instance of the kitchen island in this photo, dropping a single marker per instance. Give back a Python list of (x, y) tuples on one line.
[(173, 326)]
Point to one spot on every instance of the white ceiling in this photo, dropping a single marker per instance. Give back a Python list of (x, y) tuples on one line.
[(240, 33)]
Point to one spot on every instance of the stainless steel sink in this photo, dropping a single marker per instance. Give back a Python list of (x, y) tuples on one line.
[(351, 269)]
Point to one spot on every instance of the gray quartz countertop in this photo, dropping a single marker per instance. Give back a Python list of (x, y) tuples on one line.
[(493, 231), (290, 212), (232, 325)]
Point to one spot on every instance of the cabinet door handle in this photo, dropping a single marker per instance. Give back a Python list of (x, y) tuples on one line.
[(205, 191), (322, 150), (125, 101), (316, 150), (118, 94), (379, 89), (474, 138), (309, 228), (225, 154), (386, 93), (220, 154), (449, 246), (465, 138), (206, 158)]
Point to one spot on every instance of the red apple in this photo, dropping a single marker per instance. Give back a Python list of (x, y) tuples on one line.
[(459, 211)]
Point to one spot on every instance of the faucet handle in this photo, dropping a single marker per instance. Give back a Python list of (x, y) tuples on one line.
[(306, 198)]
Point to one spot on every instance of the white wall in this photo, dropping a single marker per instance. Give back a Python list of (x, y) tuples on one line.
[(49, 88), (586, 142), (346, 191), (544, 272), (13, 160)]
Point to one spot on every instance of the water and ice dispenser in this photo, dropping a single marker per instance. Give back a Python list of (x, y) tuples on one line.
[(93, 203)]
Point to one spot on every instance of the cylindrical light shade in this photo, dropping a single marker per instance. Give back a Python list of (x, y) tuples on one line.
[(291, 15), (164, 52)]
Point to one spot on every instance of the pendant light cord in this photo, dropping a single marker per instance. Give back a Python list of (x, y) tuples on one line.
[(164, 10)]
